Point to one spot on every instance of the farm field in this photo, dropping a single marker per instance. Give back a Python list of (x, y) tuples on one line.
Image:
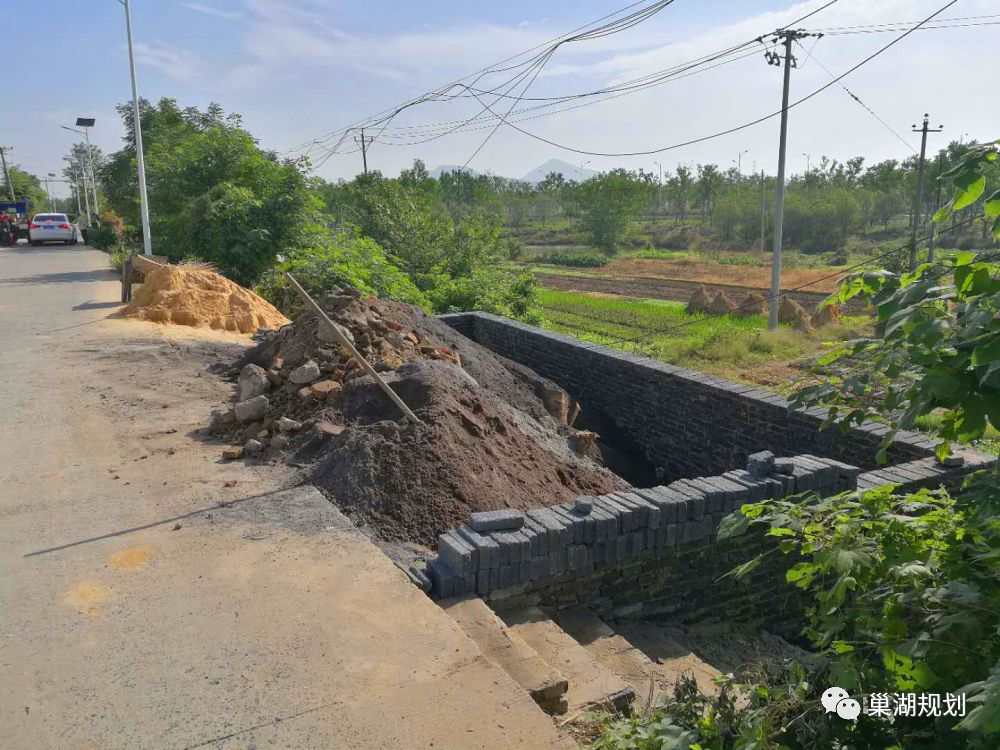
[(738, 349)]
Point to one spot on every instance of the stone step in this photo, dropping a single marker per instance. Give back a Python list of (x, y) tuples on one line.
[(590, 682), (509, 652)]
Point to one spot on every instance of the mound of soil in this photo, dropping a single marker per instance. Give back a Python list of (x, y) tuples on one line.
[(493, 433), (473, 452), (195, 296)]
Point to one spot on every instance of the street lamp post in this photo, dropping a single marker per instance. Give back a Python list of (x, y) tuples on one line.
[(808, 161), (86, 123), (582, 165), (147, 243), (48, 191)]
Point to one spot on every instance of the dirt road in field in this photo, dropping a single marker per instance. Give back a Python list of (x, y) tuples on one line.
[(149, 598)]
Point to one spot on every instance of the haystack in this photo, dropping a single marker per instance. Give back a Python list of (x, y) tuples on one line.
[(700, 302), (825, 316), (790, 311), (722, 305), (196, 296), (754, 304)]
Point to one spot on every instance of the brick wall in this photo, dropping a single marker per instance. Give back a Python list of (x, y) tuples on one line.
[(687, 423)]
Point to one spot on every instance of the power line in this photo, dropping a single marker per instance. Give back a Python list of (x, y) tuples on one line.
[(437, 95), (737, 128), (856, 98)]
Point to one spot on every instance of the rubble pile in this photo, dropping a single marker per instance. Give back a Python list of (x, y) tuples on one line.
[(493, 433)]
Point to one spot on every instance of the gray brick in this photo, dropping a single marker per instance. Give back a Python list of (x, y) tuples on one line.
[(714, 496), (760, 464), (496, 520), (456, 553), (758, 491), (487, 551), (695, 499), (583, 505)]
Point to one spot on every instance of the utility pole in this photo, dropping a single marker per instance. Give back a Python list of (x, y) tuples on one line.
[(919, 198), (364, 141), (786, 37), (937, 205), (147, 241), (763, 214), (6, 174)]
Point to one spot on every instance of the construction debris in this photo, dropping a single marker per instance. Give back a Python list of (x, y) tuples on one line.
[(493, 433), (193, 295)]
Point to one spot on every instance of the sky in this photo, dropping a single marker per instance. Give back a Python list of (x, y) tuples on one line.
[(297, 70)]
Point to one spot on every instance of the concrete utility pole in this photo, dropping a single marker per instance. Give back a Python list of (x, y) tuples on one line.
[(919, 198), (763, 214), (6, 174), (147, 242), (786, 37), (937, 205), (364, 141)]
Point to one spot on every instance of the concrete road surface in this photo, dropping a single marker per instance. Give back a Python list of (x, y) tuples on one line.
[(151, 598)]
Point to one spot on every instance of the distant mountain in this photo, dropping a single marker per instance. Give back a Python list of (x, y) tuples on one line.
[(567, 170), (445, 168)]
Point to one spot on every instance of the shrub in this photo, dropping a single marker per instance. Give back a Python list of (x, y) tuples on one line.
[(342, 258), (742, 260), (100, 237), (579, 260)]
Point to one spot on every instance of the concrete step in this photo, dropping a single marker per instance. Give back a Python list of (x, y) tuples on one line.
[(670, 658), (590, 682), (509, 652), (616, 653)]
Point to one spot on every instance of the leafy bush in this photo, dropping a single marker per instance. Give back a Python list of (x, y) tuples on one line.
[(579, 260), (903, 595), (100, 237), (117, 254), (342, 258), (493, 290)]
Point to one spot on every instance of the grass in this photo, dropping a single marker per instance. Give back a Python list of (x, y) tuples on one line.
[(989, 443), (655, 253), (740, 349)]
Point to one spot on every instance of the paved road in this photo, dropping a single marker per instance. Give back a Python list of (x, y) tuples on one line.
[(138, 612)]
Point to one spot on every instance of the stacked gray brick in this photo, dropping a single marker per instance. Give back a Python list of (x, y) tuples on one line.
[(504, 550)]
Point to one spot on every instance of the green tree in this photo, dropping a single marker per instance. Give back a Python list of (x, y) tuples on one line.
[(26, 185), (214, 194), (609, 206), (939, 348)]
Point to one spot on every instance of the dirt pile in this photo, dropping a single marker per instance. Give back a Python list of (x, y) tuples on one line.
[(196, 296), (493, 433)]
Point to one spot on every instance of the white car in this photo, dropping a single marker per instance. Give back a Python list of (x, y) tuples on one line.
[(51, 228)]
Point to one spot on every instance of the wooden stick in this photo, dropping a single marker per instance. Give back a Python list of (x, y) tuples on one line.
[(354, 352)]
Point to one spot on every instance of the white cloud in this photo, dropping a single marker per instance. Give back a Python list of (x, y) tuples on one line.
[(179, 64), (211, 10)]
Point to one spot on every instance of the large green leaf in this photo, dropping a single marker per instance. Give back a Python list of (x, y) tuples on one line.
[(968, 188)]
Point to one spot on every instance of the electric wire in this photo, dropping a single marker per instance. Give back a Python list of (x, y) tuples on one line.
[(736, 128)]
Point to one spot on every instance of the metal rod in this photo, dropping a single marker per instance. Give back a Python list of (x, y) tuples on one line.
[(354, 352)]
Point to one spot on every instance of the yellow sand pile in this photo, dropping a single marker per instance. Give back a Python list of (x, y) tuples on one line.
[(193, 296)]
